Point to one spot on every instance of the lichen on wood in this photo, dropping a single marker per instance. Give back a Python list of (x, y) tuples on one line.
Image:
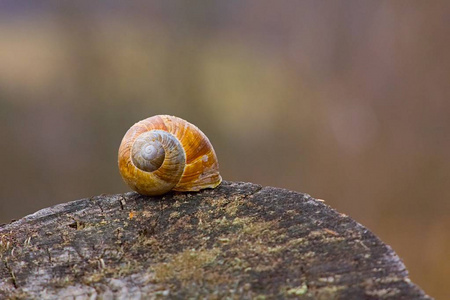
[(239, 241)]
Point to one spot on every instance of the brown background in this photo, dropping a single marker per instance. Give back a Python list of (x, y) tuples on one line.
[(348, 101)]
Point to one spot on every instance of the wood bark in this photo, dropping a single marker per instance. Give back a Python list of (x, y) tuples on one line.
[(238, 241)]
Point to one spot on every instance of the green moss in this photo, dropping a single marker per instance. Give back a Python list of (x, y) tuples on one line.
[(174, 215), (298, 291), (187, 266), (329, 292), (62, 282)]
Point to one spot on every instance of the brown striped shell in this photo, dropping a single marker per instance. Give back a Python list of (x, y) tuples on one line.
[(164, 153)]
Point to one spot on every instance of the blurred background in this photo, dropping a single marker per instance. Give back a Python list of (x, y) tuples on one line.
[(348, 101)]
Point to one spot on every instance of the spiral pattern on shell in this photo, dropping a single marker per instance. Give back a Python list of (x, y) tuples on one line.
[(164, 153)]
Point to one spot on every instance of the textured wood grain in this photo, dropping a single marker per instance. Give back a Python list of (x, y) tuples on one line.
[(239, 240)]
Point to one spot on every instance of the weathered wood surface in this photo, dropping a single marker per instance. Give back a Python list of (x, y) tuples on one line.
[(240, 241)]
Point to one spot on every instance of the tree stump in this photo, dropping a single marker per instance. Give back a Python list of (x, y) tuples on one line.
[(239, 241)]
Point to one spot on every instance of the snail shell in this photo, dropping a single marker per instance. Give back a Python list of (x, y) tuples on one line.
[(164, 153)]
